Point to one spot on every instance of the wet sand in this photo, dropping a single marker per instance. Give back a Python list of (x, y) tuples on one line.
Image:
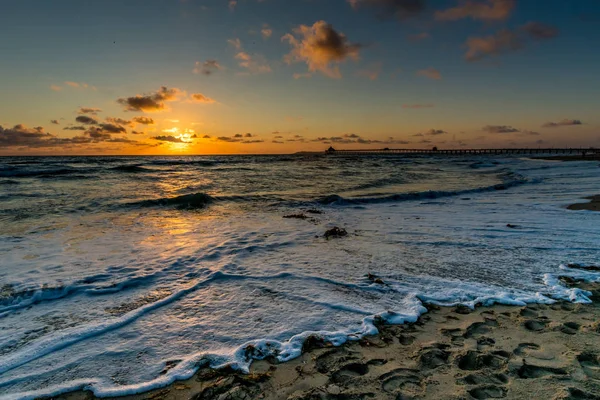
[(534, 352), (593, 205)]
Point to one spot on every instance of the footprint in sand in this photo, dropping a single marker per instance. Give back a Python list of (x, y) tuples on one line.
[(578, 394), (455, 335), (349, 372), (570, 328), (488, 392), (524, 349), (590, 362), (404, 382), (406, 340), (332, 359), (475, 360), (434, 357), (535, 325), (481, 379), (480, 328), (528, 371)]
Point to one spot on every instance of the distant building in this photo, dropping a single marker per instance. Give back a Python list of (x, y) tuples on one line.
[(330, 150)]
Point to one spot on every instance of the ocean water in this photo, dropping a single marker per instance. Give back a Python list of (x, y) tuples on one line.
[(122, 274)]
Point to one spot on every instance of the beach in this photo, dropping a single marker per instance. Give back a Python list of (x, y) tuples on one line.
[(538, 351), (193, 267)]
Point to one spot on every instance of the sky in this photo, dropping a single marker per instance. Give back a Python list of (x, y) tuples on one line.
[(281, 76)]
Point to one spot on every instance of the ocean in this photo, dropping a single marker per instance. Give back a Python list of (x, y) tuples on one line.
[(123, 274)]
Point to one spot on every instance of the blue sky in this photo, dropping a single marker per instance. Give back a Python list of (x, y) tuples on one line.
[(532, 81)]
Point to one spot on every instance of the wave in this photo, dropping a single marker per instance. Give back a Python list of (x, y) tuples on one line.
[(457, 292), (8, 182), (39, 173), (335, 199), (205, 163), (186, 201), (130, 168)]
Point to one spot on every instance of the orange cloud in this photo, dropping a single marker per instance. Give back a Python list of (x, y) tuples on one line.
[(321, 48), (488, 10), (152, 102)]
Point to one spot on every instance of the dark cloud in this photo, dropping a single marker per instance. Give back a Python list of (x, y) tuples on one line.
[(152, 102), (75, 128), (119, 121), (137, 133), (486, 10), (248, 135), (169, 138), (21, 136), (499, 129), (88, 110), (206, 137), (207, 67), (401, 9), (564, 122), (143, 120), (277, 142), (84, 119), (112, 128), (54, 121), (353, 138), (321, 47), (239, 138)]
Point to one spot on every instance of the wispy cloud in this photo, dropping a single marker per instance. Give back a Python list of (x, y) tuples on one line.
[(563, 122), (486, 10), (430, 73), (207, 67)]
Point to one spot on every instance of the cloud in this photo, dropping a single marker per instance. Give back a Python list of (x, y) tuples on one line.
[(564, 122), (499, 129), (266, 31), (418, 106), (505, 41), (143, 120), (119, 121), (235, 42), (200, 98), (321, 47), (239, 138), (84, 119), (88, 110), (435, 132), (304, 75), (207, 67), (486, 10), (54, 121), (111, 128), (137, 133), (21, 136), (75, 128), (232, 4), (430, 73), (372, 72), (277, 141), (169, 138), (401, 9), (255, 64), (152, 102), (529, 133), (206, 137), (248, 135), (537, 30), (56, 88), (352, 138)]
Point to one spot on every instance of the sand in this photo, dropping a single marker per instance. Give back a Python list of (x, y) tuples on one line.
[(593, 205), (533, 352)]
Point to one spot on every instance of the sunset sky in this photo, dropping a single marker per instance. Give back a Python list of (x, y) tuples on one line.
[(280, 76)]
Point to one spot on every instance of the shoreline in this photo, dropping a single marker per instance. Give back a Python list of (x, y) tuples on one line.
[(501, 351)]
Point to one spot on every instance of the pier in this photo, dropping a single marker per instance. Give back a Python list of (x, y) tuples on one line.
[(435, 151)]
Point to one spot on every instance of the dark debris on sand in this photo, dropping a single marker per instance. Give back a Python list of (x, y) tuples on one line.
[(335, 232)]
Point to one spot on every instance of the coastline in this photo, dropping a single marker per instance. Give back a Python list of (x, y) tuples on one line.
[(536, 351)]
